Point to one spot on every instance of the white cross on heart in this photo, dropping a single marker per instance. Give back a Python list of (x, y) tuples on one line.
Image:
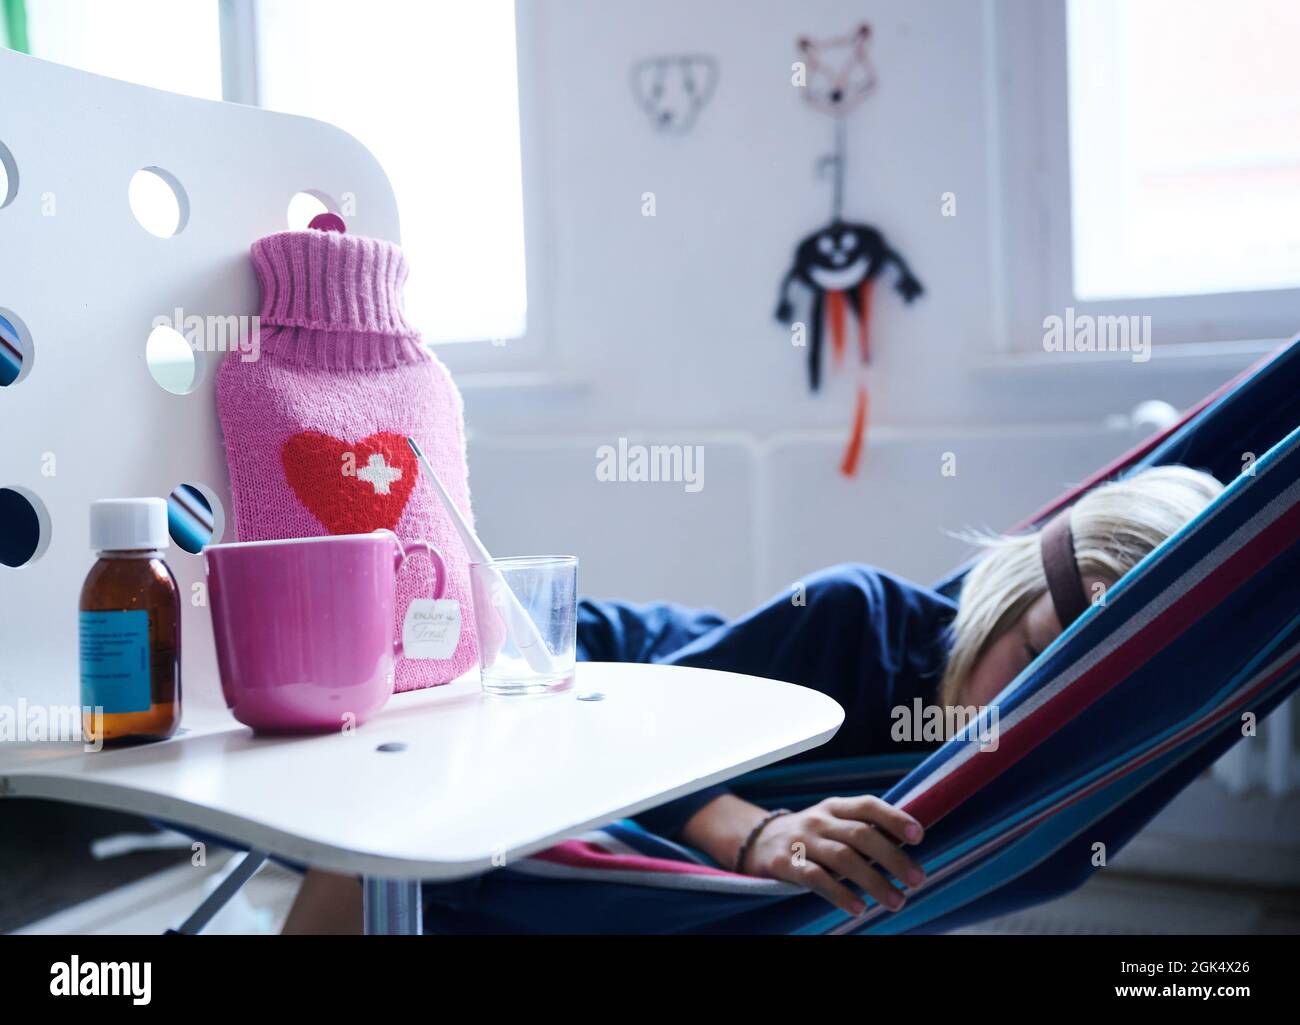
[(379, 474)]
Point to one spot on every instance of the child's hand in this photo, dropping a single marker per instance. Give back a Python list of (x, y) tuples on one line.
[(840, 839)]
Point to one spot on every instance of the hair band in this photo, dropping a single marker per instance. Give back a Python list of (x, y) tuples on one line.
[(1061, 567)]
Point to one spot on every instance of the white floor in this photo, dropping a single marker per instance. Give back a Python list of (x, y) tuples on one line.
[(163, 901), (1113, 903), (1110, 903)]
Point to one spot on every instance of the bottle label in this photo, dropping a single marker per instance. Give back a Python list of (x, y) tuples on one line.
[(115, 661)]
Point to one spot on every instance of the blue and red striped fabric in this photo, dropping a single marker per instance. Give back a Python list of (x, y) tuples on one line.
[(1139, 696)]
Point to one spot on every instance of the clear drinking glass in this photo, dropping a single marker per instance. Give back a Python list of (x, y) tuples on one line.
[(526, 617)]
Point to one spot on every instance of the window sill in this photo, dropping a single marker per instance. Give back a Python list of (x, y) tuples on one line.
[(515, 382), (1193, 357)]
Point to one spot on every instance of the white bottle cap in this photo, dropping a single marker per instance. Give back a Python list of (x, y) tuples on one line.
[(128, 524)]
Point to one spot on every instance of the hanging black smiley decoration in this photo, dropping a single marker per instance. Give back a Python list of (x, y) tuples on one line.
[(838, 264)]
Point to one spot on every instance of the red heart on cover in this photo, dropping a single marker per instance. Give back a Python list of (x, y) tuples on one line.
[(352, 488)]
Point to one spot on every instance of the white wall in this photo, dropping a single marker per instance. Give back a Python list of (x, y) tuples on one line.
[(667, 322)]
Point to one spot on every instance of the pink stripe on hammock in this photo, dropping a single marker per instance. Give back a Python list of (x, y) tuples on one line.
[(585, 854)]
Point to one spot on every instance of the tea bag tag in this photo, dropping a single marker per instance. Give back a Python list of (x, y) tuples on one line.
[(431, 628)]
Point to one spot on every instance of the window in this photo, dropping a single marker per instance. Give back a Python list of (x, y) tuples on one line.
[(159, 43), (1150, 165), (1184, 146), (432, 91)]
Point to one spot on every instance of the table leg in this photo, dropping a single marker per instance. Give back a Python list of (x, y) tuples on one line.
[(392, 907), (246, 866)]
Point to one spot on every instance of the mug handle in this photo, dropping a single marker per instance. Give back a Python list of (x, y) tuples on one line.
[(405, 549)]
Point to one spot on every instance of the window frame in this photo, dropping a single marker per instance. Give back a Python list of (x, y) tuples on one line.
[(1029, 72), (483, 357)]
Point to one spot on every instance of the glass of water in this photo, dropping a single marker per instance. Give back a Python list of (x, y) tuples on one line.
[(526, 616)]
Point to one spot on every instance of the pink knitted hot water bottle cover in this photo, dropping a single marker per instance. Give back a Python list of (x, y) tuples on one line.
[(315, 426)]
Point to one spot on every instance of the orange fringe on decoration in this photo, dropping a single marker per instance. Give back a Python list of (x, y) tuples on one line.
[(835, 315), (853, 453)]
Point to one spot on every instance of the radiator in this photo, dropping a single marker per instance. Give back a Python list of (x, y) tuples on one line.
[(1269, 761)]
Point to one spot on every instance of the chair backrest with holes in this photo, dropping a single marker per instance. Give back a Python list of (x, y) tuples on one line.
[(81, 285)]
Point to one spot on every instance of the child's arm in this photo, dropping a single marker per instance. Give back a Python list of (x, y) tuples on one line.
[(327, 904), (837, 839)]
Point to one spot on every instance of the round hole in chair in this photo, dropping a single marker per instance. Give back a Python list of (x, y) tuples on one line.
[(194, 517), (307, 204), (15, 348), (158, 201), (8, 176), (24, 527), (172, 360)]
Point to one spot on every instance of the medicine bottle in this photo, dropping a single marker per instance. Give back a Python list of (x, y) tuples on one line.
[(129, 626)]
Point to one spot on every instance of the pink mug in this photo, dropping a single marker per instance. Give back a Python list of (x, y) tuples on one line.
[(306, 627)]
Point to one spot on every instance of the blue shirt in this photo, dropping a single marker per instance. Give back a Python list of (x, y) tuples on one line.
[(870, 640)]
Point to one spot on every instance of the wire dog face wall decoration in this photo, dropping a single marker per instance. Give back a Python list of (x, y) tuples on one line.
[(838, 264), (672, 89)]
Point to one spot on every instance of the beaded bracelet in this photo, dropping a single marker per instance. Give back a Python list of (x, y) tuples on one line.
[(753, 835)]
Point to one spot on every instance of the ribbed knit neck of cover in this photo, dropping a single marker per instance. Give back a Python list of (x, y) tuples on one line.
[(334, 301)]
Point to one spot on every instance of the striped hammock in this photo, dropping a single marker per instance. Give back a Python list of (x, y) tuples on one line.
[(1106, 726)]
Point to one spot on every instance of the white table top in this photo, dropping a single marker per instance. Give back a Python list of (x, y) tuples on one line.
[(480, 779)]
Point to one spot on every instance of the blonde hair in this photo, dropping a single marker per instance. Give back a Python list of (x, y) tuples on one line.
[(1114, 527)]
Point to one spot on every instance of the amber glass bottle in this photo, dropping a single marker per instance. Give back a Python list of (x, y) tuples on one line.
[(130, 626)]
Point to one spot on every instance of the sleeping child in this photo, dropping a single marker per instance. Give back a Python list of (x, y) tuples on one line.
[(875, 643)]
